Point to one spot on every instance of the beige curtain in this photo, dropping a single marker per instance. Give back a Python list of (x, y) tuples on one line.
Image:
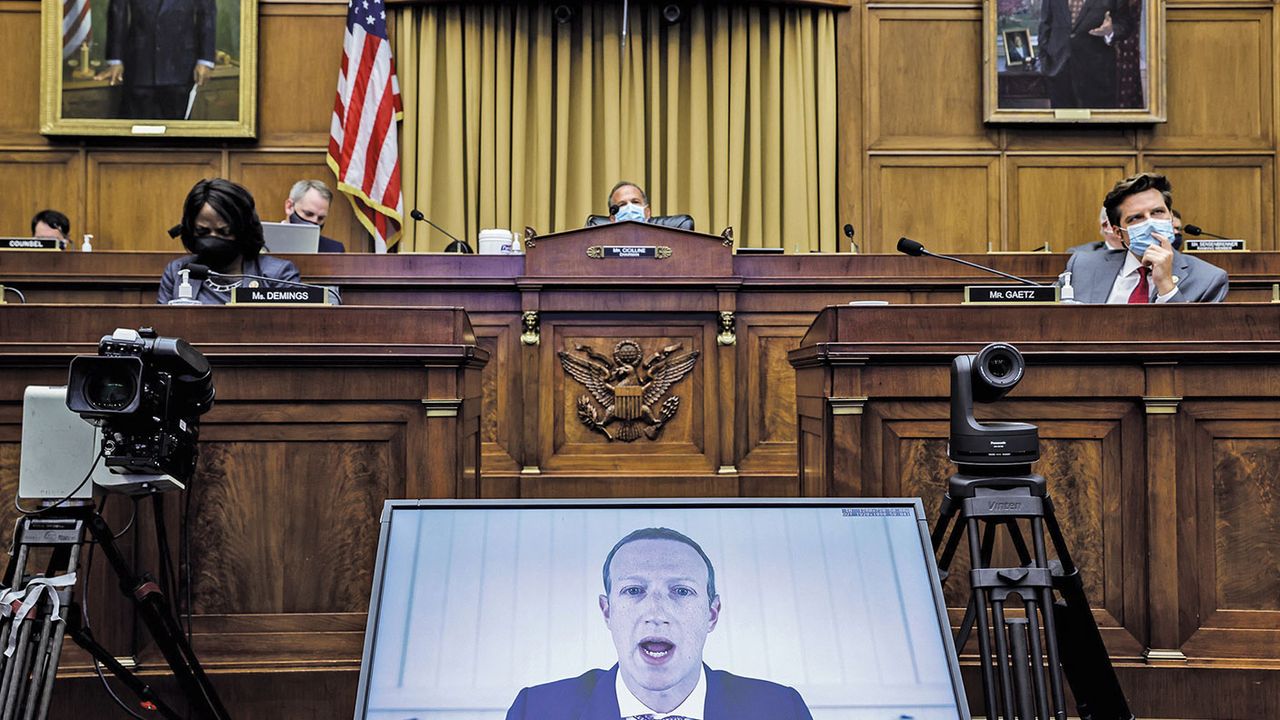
[(514, 119)]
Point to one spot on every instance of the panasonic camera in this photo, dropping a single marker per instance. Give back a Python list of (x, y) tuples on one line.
[(986, 377)]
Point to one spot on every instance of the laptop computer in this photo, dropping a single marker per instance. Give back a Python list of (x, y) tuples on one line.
[(291, 238)]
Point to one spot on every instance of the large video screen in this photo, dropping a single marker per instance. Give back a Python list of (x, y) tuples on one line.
[(752, 609)]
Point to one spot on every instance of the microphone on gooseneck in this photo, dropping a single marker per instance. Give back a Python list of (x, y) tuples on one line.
[(848, 232), (907, 246), (416, 214), (196, 271), (1196, 231)]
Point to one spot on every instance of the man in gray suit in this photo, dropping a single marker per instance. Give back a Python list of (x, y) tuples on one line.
[(1148, 269)]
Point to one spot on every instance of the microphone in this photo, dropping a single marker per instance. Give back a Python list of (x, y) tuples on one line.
[(196, 271), (1195, 231), (907, 246), (175, 231), (416, 214), (848, 232)]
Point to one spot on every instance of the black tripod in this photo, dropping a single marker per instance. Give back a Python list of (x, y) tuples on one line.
[(29, 671), (1022, 677)]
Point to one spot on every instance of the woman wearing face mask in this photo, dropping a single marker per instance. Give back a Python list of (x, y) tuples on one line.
[(221, 229)]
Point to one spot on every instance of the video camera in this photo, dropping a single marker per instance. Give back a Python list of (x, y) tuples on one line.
[(146, 393), (986, 377)]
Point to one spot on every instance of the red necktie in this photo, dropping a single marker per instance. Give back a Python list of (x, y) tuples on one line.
[(1142, 293)]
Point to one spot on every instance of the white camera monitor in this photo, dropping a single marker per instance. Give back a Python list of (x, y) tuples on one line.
[(750, 609)]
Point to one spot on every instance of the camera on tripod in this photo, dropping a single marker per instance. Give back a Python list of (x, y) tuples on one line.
[(147, 393), (986, 377)]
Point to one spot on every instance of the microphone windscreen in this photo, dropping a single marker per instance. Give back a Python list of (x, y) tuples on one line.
[(416, 214), (848, 230), (197, 271), (1192, 229), (175, 231), (908, 246)]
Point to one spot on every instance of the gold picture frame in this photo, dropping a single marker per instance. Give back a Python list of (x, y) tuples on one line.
[(80, 94), (1113, 72)]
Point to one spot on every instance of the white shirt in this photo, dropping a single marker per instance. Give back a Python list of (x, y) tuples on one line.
[(692, 707), (1127, 280)]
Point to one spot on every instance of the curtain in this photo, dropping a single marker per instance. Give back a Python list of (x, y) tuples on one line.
[(513, 118)]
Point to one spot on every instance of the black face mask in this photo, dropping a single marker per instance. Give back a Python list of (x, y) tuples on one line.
[(296, 219), (216, 252)]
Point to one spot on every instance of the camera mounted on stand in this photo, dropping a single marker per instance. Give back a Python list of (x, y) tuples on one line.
[(145, 394), (1023, 656)]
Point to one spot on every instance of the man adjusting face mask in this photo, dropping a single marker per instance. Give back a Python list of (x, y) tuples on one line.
[(1142, 235)]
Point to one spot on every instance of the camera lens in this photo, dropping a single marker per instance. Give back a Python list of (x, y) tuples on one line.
[(112, 387), (999, 366)]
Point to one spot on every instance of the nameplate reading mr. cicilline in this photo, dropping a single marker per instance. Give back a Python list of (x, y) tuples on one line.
[(627, 252), (1010, 294), (278, 296)]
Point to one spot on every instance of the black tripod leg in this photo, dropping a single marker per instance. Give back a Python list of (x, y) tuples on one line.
[(84, 639), (160, 621), (1021, 664), (1003, 660), (980, 599), (1037, 653), (1050, 628)]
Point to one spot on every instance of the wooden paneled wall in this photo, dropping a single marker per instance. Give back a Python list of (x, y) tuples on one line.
[(916, 158), (128, 193)]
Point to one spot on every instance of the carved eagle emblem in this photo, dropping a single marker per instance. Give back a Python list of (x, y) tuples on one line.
[(627, 388)]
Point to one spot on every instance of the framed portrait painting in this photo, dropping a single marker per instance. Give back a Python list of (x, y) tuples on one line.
[(148, 68), (1073, 61)]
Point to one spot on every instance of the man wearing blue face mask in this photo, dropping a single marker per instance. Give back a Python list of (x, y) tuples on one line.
[(1147, 269), (628, 202)]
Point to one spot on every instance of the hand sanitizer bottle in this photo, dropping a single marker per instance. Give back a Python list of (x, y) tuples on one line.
[(87, 245), (186, 293)]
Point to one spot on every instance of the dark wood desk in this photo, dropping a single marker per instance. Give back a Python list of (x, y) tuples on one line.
[(321, 414), (1160, 439), (735, 431)]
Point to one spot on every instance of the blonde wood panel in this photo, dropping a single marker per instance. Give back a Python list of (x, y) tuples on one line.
[(33, 181), (1056, 200), (300, 49), (136, 196), (1221, 81), (269, 176), (1227, 195), (914, 100), (949, 203), (20, 43)]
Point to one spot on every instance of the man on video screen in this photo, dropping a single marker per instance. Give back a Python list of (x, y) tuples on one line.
[(659, 604)]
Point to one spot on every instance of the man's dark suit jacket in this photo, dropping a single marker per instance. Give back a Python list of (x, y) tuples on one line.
[(330, 245), (159, 41), (679, 222), (1070, 55), (1093, 272), (264, 265), (593, 696)]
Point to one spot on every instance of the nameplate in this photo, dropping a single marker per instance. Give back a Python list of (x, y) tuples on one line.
[(1010, 295), (29, 243), (628, 252), (279, 296), (1212, 245)]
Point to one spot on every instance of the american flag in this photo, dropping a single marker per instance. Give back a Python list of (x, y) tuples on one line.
[(77, 20), (363, 150)]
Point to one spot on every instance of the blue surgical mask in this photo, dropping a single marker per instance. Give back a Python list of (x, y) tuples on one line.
[(1141, 234), (629, 211)]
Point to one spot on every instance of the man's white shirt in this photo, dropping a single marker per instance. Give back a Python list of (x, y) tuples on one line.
[(1127, 281), (692, 707)]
